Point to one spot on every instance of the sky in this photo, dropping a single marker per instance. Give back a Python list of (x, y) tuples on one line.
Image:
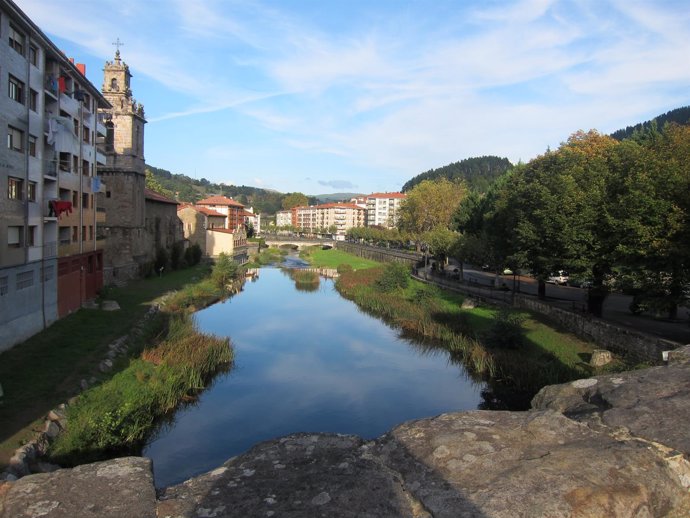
[(326, 96)]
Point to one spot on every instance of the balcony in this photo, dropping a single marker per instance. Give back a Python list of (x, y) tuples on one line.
[(50, 250), (100, 158), (100, 129)]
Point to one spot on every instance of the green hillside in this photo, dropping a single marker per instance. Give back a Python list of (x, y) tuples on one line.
[(478, 172)]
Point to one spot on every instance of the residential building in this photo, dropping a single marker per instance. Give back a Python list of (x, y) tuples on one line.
[(331, 218), (253, 219), (232, 209), (50, 258), (383, 208), (283, 218), (207, 228)]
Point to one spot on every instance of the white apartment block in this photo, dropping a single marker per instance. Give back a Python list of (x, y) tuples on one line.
[(283, 218), (383, 208), (324, 218), (50, 259)]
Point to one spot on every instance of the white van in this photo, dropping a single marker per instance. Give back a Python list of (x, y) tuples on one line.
[(560, 277)]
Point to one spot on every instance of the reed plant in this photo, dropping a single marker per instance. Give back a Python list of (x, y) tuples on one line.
[(117, 416)]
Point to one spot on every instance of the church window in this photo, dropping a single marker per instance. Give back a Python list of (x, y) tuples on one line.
[(113, 84)]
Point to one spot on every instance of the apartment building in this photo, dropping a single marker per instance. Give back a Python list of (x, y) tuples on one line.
[(233, 210), (50, 258), (383, 208), (283, 218), (335, 218)]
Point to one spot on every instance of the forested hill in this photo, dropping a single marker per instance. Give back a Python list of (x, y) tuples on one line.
[(679, 115), (478, 172), (184, 188)]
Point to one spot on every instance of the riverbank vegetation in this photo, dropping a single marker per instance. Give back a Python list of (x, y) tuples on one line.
[(332, 258), (268, 256), (175, 362), (46, 370), (515, 352)]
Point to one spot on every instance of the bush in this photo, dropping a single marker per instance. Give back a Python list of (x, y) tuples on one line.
[(224, 271), (192, 255), (506, 330), (162, 259), (395, 276), (177, 256)]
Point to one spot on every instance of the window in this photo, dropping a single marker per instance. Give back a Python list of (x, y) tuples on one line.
[(25, 280), (15, 188), (32, 145), (33, 55), (75, 234), (75, 165), (90, 232), (75, 198), (33, 100), (14, 236), (15, 139), (16, 40), (84, 201), (31, 191), (4, 286), (31, 236), (15, 89)]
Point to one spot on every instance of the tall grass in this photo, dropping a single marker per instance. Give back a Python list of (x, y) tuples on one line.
[(477, 339), (116, 417), (305, 280)]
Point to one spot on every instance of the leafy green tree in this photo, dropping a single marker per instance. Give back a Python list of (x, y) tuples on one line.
[(153, 184), (441, 241), (295, 199), (224, 270), (428, 205)]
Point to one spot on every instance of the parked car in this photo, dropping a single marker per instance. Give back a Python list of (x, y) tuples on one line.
[(580, 282), (560, 277)]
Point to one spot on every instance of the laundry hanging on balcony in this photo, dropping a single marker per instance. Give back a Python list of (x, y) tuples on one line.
[(60, 133), (57, 207)]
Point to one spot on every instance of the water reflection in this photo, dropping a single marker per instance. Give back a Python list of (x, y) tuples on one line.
[(305, 362)]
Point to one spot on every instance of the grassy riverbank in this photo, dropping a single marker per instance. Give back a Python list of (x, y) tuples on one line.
[(332, 258), (45, 370), (516, 352), (176, 362)]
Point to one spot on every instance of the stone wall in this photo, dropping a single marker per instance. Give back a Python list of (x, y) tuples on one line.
[(379, 254), (633, 345)]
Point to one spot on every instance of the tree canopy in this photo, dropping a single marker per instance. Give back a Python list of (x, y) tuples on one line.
[(478, 173)]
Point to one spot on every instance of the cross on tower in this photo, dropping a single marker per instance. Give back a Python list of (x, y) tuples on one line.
[(118, 44)]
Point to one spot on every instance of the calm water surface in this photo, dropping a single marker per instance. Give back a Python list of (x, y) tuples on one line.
[(304, 362)]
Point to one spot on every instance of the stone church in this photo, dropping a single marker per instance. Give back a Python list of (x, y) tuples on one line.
[(138, 222)]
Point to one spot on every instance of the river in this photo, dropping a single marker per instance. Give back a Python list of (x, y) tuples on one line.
[(305, 361)]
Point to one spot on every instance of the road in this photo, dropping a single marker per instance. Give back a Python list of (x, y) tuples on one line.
[(568, 297)]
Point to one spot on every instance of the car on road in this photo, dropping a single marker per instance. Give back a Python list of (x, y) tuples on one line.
[(560, 277)]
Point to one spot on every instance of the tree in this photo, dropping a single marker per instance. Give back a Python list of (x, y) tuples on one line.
[(441, 241), (295, 199), (153, 184), (428, 205)]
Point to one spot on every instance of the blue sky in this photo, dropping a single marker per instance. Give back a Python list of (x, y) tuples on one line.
[(360, 96)]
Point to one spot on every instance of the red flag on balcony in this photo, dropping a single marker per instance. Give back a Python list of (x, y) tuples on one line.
[(61, 85)]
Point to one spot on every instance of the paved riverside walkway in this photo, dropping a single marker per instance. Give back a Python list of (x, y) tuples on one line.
[(482, 286)]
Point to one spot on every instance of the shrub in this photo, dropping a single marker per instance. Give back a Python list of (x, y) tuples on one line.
[(177, 256), (224, 271), (506, 330), (192, 255), (162, 259), (395, 276)]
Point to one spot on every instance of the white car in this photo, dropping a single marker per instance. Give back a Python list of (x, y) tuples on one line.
[(560, 277)]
